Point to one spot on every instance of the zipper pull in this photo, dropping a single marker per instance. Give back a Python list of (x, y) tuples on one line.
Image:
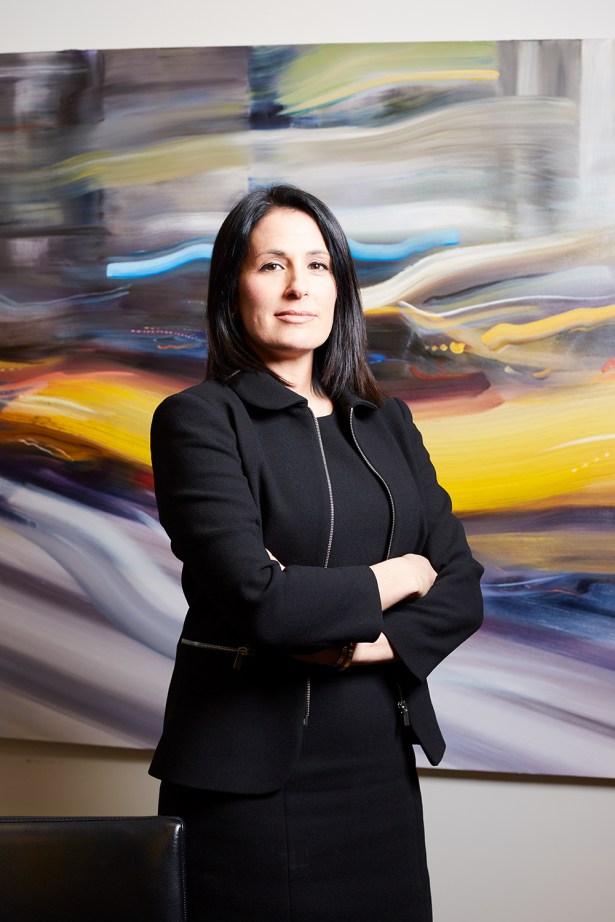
[(241, 653), (402, 707)]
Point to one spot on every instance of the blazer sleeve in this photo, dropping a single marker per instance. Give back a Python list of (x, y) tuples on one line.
[(207, 508), (423, 631)]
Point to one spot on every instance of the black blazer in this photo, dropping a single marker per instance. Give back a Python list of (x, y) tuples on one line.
[(238, 469)]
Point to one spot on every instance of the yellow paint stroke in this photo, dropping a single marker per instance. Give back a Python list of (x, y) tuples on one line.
[(583, 318), (462, 330), (170, 160), (326, 73), (87, 416), (429, 321), (335, 94), (556, 550), (541, 450)]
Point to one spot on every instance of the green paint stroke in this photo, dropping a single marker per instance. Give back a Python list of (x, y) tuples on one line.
[(325, 74)]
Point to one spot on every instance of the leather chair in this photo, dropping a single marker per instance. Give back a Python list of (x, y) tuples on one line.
[(92, 869)]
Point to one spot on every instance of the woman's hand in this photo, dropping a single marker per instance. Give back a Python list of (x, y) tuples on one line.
[(380, 651), (402, 577)]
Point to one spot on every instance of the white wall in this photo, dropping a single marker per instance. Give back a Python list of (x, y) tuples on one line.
[(500, 850), (46, 25)]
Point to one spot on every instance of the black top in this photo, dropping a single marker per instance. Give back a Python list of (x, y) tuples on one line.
[(359, 536)]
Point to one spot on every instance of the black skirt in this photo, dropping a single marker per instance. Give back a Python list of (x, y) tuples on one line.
[(343, 839)]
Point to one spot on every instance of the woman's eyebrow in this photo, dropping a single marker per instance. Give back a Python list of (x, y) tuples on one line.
[(284, 253)]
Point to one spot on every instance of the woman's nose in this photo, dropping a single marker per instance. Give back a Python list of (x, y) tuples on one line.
[(297, 285)]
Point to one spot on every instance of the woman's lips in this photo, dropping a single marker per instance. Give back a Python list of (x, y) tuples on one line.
[(295, 316)]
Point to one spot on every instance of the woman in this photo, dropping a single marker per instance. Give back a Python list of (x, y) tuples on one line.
[(325, 577)]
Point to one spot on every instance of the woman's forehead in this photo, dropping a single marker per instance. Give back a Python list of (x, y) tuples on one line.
[(281, 225)]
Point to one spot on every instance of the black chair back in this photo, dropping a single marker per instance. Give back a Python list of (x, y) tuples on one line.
[(92, 869)]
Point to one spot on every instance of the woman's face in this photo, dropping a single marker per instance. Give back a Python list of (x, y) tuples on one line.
[(286, 291)]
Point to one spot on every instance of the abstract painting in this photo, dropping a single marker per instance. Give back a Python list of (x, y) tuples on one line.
[(476, 184)]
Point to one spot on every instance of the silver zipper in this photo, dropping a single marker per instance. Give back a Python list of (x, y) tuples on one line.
[(308, 697), (329, 487), (240, 652), (308, 686), (402, 706), (380, 478)]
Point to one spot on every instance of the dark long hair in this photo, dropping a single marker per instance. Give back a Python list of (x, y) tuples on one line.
[(340, 363)]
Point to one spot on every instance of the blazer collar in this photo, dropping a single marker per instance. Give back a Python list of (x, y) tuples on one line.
[(261, 390), (351, 401)]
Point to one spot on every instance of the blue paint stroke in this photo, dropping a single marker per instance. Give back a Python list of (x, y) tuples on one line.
[(393, 252), (361, 252), (569, 613), (158, 265)]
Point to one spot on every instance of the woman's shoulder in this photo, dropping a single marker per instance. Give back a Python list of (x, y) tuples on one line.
[(210, 392), (400, 423), (396, 411), (206, 402), (393, 411)]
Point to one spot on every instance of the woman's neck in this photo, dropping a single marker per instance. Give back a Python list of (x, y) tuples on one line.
[(299, 376)]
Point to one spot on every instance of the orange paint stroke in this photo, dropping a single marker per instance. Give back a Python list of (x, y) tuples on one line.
[(86, 415)]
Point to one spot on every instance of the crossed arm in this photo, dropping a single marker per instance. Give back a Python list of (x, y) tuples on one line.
[(409, 576), (209, 511)]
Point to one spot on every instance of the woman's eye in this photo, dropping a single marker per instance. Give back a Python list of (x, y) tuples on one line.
[(319, 265), (270, 267)]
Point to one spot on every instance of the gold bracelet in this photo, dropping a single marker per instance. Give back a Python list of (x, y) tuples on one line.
[(345, 658)]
